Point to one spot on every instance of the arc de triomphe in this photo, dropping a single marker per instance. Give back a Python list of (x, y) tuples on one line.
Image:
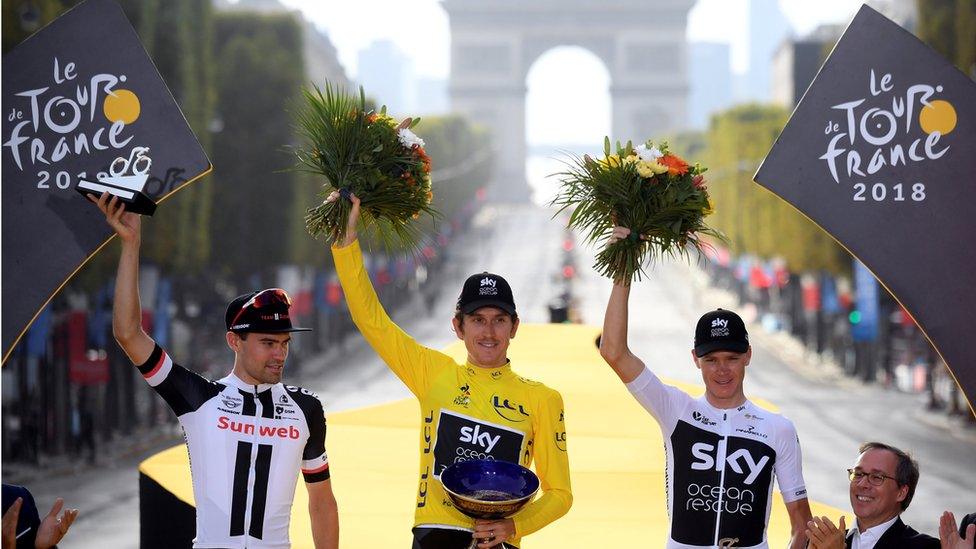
[(495, 42)]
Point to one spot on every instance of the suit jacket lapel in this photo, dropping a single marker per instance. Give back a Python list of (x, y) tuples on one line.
[(894, 534)]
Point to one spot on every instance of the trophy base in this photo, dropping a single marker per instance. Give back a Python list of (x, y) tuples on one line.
[(135, 201)]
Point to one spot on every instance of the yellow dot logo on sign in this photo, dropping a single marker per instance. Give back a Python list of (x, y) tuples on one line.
[(937, 116), (121, 106)]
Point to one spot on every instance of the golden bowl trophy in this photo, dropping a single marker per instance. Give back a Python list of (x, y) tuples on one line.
[(489, 490)]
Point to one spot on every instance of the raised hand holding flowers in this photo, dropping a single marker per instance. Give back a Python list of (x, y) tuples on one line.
[(654, 193), (367, 153)]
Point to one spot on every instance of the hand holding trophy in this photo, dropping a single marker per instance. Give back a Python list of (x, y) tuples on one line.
[(659, 197), (487, 489)]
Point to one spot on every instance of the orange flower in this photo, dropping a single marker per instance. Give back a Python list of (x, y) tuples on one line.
[(676, 166), (422, 154)]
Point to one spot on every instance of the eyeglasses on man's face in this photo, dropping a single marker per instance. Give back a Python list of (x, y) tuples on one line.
[(875, 478)]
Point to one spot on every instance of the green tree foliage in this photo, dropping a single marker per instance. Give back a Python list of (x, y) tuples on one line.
[(178, 35), (259, 77), (755, 220), (690, 145), (22, 18), (949, 26), (461, 160), (182, 50)]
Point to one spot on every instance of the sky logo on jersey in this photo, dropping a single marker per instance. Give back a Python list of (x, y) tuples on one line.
[(476, 436), (462, 438), (705, 460), (512, 411)]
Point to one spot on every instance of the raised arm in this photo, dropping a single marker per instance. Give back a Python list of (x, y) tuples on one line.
[(613, 342), (409, 360), (127, 310)]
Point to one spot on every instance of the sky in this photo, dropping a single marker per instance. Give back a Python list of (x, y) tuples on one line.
[(420, 29)]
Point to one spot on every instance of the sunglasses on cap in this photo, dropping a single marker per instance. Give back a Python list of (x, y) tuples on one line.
[(262, 299)]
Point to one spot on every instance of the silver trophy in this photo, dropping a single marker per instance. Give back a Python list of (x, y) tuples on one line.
[(126, 179)]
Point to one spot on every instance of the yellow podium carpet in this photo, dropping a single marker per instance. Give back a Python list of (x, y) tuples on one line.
[(615, 449)]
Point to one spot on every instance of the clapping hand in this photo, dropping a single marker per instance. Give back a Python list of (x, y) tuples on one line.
[(949, 533), (822, 534)]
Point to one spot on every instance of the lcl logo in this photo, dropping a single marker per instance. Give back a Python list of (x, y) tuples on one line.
[(509, 410)]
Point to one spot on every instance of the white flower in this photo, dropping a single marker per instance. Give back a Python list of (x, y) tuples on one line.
[(408, 139), (648, 154)]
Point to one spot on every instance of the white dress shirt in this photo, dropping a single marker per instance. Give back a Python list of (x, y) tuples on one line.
[(869, 538)]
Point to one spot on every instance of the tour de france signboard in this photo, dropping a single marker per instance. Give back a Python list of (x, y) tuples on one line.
[(84, 111), (879, 153)]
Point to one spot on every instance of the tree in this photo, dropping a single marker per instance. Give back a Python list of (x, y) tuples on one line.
[(178, 35), (259, 77), (22, 19), (949, 26), (461, 158), (755, 220)]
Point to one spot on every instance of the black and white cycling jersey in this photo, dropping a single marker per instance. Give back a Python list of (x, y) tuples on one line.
[(720, 466), (247, 444)]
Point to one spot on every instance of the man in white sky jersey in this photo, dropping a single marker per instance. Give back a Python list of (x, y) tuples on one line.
[(722, 450), (248, 434)]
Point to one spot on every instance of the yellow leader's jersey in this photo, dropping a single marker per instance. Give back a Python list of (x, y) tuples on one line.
[(467, 412)]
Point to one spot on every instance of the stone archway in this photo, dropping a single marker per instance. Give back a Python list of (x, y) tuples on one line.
[(495, 42)]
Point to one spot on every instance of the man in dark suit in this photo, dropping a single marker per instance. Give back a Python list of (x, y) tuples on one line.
[(883, 482)]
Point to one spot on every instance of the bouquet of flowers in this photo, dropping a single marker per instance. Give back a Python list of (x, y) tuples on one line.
[(657, 195), (368, 154)]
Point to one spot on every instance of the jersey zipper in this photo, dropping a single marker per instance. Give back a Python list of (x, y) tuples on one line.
[(252, 472), (720, 458)]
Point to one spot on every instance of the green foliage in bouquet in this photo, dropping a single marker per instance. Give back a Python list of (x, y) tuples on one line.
[(654, 193), (371, 155)]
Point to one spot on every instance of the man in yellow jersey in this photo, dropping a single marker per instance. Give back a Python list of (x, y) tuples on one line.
[(477, 410)]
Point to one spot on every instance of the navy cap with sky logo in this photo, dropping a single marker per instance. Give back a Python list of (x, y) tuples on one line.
[(720, 330), (485, 290)]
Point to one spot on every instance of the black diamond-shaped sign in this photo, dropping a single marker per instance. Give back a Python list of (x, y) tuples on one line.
[(879, 154), (78, 96)]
